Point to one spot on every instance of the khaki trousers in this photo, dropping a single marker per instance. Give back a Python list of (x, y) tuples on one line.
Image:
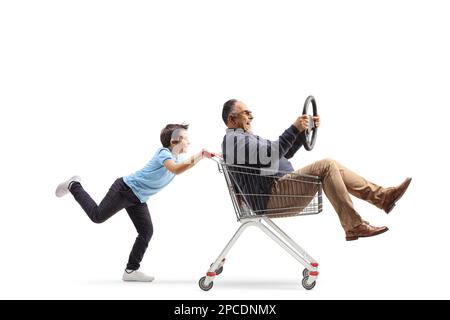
[(338, 183)]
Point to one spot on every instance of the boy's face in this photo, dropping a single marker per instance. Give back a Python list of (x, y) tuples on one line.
[(183, 142)]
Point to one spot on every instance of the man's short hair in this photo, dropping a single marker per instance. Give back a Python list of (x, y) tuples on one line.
[(227, 109), (168, 131)]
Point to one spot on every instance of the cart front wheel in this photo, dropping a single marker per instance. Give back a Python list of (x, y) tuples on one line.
[(306, 285), (202, 285)]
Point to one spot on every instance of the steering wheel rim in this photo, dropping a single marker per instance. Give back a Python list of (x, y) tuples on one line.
[(310, 134)]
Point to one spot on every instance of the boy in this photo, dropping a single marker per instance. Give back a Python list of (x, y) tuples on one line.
[(132, 192)]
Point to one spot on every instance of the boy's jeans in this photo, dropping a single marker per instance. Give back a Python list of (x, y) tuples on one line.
[(119, 197)]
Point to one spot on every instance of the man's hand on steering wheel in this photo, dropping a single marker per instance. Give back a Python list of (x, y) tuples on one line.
[(302, 123), (316, 121)]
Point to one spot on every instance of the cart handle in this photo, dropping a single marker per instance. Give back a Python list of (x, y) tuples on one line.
[(216, 157), (212, 155)]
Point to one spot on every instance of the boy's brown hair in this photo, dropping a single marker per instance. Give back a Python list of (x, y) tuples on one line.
[(167, 133)]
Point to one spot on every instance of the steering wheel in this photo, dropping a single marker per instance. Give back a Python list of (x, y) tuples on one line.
[(310, 133)]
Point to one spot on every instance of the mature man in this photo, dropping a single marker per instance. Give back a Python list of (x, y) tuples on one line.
[(242, 147)]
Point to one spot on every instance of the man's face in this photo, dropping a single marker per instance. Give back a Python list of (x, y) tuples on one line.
[(241, 117)]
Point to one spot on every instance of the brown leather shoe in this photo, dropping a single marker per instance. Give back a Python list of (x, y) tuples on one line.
[(364, 230), (394, 194)]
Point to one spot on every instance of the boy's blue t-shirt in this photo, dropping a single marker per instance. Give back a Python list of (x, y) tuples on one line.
[(153, 177)]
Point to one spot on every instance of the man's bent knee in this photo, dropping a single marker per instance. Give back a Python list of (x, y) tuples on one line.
[(328, 163)]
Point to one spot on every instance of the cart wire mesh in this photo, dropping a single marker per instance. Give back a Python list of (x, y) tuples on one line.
[(257, 192)]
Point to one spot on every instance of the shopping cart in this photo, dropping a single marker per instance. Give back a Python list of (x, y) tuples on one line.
[(282, 195)]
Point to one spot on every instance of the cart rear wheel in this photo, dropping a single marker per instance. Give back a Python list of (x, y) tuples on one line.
[(305, 273), (306, 285), (202, 285), (218, 271)]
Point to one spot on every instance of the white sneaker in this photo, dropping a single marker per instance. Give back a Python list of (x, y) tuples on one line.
[(63, 188), (135, 275)]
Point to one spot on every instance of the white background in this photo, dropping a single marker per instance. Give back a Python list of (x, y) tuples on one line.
[(86, 86)]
